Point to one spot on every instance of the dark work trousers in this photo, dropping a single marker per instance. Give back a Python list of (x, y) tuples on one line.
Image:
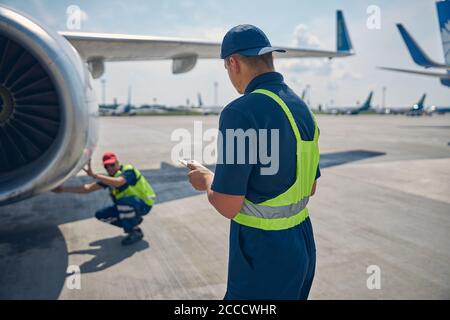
[(126, 213)]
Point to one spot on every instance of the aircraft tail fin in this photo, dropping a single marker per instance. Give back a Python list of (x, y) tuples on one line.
[(368, 103), (200, 101), (422, 101), (416, 52), (343, 41), (443, 10)]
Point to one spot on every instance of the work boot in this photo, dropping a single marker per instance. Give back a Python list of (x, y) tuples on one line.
[(133, 236)]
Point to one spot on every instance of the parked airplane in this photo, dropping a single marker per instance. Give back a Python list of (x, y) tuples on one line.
[(438, 110), (207, 110), (48, 114), (420, 57), (125, 109), (419, 108), (106, 110), (366, 106), (415, 109)]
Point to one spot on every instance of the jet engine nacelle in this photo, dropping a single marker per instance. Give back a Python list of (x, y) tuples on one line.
[(48, 109)]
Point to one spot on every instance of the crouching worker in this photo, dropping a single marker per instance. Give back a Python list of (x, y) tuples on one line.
[(131, 193)]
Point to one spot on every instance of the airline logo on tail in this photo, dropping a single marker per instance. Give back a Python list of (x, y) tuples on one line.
[(443, 9)]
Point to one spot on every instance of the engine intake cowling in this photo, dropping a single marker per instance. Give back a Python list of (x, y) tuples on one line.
[(30, 115), (47, 108)]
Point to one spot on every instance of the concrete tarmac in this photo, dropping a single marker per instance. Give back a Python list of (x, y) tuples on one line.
[(383, 199)]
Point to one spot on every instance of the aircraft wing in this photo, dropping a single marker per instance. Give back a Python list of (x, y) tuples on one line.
[(121, 47), (309, 53), (424, 73), (117, 47), (97, 48)]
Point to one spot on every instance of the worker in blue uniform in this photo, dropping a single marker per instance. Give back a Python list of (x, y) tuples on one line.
[(272, 253)]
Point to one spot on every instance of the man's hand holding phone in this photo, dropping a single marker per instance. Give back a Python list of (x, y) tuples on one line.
[(192, 164), (199, 176)]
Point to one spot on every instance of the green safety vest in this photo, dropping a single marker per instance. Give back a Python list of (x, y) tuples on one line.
[(289, 208), (141, 189)]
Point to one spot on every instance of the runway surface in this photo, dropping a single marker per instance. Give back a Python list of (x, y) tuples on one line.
[(383, 199)]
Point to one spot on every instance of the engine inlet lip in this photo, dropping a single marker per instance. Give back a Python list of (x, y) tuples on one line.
[(6, 105), (67, 71)]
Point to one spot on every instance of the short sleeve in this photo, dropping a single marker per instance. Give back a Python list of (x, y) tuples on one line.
[(130, 177), (231, 177)]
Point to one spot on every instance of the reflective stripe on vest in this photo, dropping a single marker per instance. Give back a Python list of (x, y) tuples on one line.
[(267, 212), (141, 189), (289, 208)]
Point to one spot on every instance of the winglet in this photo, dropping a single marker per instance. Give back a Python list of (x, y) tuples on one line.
[(416, 52), (343, 41)]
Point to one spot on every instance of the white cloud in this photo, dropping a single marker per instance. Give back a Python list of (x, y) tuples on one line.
[(202, 33), (41, 9), (303, 38), (213, 34)]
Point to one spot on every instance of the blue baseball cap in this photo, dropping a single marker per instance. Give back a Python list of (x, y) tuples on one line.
[(246, 40)]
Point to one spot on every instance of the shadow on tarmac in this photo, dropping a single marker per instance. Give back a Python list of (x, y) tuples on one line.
[(107, 253), (33, 251)]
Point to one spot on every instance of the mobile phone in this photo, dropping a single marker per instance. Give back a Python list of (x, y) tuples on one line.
[(184, 162), (187, 162)]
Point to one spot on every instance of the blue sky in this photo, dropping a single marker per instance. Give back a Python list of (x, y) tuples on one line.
[(286, 22)]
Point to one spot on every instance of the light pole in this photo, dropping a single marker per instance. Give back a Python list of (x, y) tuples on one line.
[(103, 81), (216, 93), (384, 98), (308, 94)]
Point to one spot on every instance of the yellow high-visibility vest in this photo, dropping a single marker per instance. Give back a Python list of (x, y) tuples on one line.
[(289, 208), (142, 189)]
